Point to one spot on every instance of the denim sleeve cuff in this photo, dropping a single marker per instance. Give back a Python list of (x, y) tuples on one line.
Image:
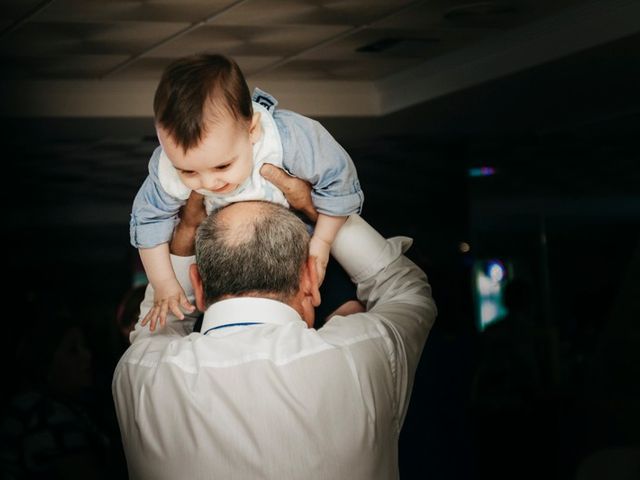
[(152, 234), (343, 205)]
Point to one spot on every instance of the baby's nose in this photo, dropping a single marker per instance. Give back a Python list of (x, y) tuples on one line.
[(211, 182)]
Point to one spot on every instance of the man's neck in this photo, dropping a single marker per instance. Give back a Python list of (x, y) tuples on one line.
[(294, 302)]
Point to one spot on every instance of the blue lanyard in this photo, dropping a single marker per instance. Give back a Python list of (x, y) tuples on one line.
[(233, 325)]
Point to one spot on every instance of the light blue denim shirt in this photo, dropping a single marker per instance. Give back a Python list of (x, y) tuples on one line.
[(309, 152)]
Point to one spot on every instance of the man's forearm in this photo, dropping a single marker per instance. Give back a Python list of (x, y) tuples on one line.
[(396, 293), (183, 241), (358, 248), (296, 191), (385, 277), (184, 236)]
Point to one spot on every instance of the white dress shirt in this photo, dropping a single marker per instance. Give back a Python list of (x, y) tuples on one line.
[(261, 396)]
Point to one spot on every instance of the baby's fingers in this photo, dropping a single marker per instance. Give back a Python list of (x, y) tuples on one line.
[(175, 309), (162, 316), (154, 318), (184, 303), (151, 315)]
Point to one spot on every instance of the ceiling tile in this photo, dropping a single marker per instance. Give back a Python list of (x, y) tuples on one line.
[(126, 10), (69, 66), (338, 69), (15, 9), (59, 38), (247, 41), (151, 68)]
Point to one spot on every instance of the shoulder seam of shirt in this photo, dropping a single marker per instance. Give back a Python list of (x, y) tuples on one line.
[(188, 366)]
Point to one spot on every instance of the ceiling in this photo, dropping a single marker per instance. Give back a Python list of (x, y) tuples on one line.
[(363, 40), (416, 91), (320, 57)]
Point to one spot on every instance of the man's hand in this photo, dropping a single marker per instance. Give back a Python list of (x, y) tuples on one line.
[(296, 191), (191, 215)]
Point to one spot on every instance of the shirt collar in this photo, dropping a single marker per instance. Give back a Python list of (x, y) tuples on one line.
[(248, 309)]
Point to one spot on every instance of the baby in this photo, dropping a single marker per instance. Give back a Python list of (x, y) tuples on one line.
[(214, 139)]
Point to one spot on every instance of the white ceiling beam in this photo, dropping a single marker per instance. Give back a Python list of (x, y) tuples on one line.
[(131, 98)]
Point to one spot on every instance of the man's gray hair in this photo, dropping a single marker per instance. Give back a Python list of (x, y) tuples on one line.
[(263, 254)]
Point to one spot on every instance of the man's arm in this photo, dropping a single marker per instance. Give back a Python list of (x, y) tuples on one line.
[(191, 216), (391, 286), (298, 194), (395, 291), (296, 191), (396, 294)]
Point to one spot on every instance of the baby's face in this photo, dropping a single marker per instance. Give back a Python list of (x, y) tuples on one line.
[(222, 161)]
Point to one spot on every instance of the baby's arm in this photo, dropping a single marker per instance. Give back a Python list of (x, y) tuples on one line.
[(324, 234), (311, 153), (169, 295), (326, 226), (153, 218)]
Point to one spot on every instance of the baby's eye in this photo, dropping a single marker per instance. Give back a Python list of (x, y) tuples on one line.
[(188, 173), (223, 167)]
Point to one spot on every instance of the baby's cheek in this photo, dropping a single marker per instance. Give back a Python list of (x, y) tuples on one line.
[(191, 183), (246, 171)]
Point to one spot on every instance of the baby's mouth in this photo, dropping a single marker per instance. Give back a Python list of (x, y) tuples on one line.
[(225, 188)]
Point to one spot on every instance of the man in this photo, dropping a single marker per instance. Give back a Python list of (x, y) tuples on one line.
[(260, 393)]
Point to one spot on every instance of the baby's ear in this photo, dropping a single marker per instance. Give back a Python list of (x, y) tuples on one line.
[(255, 129)]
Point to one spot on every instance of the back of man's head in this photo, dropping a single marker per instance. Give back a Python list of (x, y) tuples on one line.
[(251, 248)]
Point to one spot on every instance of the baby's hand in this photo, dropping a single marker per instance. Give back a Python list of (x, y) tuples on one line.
[(169, 296), (320, 249)]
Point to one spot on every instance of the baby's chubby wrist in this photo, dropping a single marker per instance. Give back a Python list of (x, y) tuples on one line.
[(165, 287), (319, 247)]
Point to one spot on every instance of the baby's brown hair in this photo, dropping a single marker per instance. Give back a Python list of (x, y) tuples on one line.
[(192, 93)]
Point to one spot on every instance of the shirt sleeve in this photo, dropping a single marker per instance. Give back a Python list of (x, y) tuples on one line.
[(155, 212), (396, 293), (311, 153), (173, 326)]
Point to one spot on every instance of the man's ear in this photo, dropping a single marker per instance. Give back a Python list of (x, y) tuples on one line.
[(196, 282), (309, 294), (310, 286), (255, 128)]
